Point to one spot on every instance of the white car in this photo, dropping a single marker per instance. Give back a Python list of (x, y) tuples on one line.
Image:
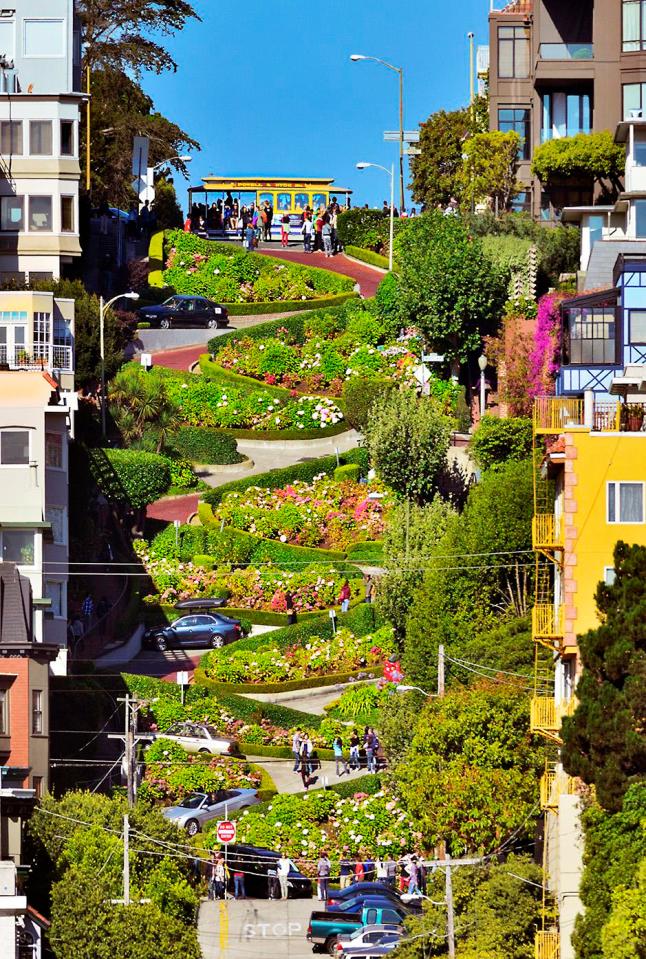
[(372, 935), (193, 812), (199, 738)]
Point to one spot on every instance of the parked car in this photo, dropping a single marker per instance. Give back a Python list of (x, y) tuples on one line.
[(179, 311), (325, 928), (199, 738), (354, 905), (188, 632), (257, 863), (370, 936), (193, 812), (367, 888), (370, 951)]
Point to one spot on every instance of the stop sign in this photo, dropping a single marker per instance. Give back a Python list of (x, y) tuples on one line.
[(226, 831)]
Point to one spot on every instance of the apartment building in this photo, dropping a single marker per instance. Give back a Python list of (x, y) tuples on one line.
[(39, 137), (558, 69)]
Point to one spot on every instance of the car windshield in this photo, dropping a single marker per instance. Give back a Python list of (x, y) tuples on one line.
[(192, 802), (171, 301)]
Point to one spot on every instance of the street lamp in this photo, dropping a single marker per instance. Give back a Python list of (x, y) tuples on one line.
[(410, 689), (355, 57), (102, 308), (182, 159), (482, 363), (391, 174)]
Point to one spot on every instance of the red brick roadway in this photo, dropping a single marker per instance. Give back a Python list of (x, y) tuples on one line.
[(367, 278)]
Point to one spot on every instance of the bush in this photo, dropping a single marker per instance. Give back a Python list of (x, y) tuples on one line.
[(181, 473), (368, 554), (359, 394), (366, 229), (129, 476), (156, 260), (368, 256), (497, 441), (287, 306), (206, 446), (351, 471), (388, 305), (284, 686)]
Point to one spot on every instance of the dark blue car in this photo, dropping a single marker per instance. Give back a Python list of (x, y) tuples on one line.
[(179, 311), (188, 632)]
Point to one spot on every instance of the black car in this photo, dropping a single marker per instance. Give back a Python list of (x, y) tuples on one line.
[(366, 888), (214, 630), (363, 902), (257, 864), (185, 311)]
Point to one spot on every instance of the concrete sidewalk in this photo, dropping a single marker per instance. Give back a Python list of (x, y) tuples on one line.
[(287, 781), (249, 928)]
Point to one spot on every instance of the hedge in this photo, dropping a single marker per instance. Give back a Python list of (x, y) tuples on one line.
[(368, 256), (349, 471), (368, 553), (287, 306), (299, 472), (130, 476), (201, 445), (287, 686), (156, 260), (370, 784), (359, 395), (211, 371), (270, 435), (279, 752)]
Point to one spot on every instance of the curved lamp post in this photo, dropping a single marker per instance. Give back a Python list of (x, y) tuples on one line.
[(391, 174), (102, 308)]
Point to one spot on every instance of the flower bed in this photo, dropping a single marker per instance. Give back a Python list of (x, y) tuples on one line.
[(227, 274), (313, 588), (172, 773), (344, 652), (324, 513), (303, 826)]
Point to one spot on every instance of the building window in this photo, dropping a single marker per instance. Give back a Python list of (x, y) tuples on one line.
[(516, 119), (609, 575), (40, 214), (7, 28), (4, 712), (634, 26), (37, 712), (40, 138), (634, 96), (67, 138), (12, 217), (67, 214), (639, 207), (37, 786), (11, 137), (513, 53), (44, 38), (625, 502), (18, 547), (54, 450), (637, 327), (591, 336), (55, 592), (565, 114), (56, 515), (14, 448)]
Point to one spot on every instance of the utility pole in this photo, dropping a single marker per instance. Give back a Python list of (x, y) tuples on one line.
[(126, 861), (440, 670), (130, 738), (450, 919)]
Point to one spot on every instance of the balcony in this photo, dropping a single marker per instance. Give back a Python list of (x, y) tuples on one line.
[(546, 716), (552, 414), (41, 357), (547, 532), (566, 51), (554, 784), (548, 623), (546, 945)]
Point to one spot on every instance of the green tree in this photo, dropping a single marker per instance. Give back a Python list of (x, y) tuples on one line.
[(624, 935), (407, 440), (468, 775), (489, 169), (435, 172), (594, 156), (497, 441), (167, 209), (604, 741), (448, 287)]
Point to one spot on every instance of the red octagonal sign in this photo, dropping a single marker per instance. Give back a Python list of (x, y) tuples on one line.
[(226, 831)]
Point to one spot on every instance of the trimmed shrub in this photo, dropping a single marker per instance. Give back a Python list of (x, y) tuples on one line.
[(350, 471), (287, 306), (359, 394), (130, 476), (497, 441), (211, 371), (367, 256), (156, 260), (290, 685), (388, 303), (366, 229), (201, 445), (369, 554), (181, 473)]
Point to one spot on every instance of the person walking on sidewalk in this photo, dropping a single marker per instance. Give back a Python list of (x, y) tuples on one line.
[(345, 870), (355, 762), (345, 596), (306, 753), (296, 749), (238, 885), (323, 870), (283, 867), (306, 230), (337, 746)]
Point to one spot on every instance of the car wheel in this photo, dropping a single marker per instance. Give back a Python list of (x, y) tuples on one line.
[(204, 751), (330, 946), (164, 323), (216, 641), (162, 645), (212, 324), (192, 827)]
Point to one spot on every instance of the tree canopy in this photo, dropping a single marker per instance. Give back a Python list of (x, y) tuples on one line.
[(489, 169), (448, 286), (592, 155), (604, 741)]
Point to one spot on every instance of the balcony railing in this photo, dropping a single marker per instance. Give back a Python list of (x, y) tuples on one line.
[(566, 51), (40, 357), (547, 532), (553, 413), (548, 621), (546, 716), (546, 945), (554, 784)]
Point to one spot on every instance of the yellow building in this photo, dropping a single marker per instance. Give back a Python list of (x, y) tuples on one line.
[(590, 492)]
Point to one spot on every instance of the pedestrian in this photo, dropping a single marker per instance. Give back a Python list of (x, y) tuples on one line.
[(269, 213), (391, 871), (344, 597), (337, 746), (369, 746), (249, 236), (284, 230), (221, 876), (306, 751), (355, 762), (323, 870), (367, 586), (238, 885), (345, 869), (296, 749), (283, 867), (289, 606), (359, 872), (326, 233), (318, 232), (272, 881), (421, 877), (210, 877), (306, 230), (381, 870), (369, 868), (87, 609), (403, 876), (413, 888), (77, 630)]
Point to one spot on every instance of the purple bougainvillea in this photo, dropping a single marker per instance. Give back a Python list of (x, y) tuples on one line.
[(543, 359)]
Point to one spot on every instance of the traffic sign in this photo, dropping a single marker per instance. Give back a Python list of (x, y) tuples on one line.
[(226, 831), (410, 136)]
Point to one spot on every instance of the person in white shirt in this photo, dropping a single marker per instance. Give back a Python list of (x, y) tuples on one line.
[(283, 866)]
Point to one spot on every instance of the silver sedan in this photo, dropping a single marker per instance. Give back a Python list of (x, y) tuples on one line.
[(200, 808)]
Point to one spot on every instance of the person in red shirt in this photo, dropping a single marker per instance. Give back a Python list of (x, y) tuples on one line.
[(359, 873)]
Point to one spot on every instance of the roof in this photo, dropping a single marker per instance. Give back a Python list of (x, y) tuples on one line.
[(15, 607), (252, 184), (573, 214), (623, 129), (518, 7), (24, 388)]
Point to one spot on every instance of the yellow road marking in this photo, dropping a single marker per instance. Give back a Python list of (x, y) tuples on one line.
[(224, 928)]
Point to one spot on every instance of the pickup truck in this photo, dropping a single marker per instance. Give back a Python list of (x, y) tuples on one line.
[(325, 927)]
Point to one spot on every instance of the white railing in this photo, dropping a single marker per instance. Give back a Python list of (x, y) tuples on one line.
[(41, 356)]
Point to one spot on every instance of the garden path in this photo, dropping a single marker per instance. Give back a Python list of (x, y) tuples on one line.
[(366, 276), (287, 781)]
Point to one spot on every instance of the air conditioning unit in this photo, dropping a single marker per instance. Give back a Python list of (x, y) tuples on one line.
[(636, 114)]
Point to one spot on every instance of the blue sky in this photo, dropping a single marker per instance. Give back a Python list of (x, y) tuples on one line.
[(267, 86)]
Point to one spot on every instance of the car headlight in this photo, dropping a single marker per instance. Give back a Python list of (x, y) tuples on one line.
[(150, 316)]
